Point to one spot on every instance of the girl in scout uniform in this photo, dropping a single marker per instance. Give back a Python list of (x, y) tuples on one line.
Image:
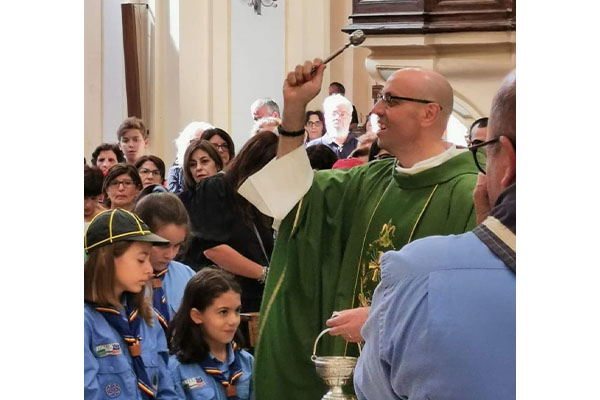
[(125, 351), (167, 217), (206, 362)]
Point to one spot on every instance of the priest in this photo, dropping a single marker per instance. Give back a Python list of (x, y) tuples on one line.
[(337, 224)]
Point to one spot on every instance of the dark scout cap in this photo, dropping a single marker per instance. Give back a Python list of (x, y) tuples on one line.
[(117, 225)]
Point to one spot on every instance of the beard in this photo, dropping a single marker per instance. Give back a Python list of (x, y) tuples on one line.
[(336, 133)]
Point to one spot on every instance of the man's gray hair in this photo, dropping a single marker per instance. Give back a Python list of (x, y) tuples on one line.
[(265, 101), (503, 114), (183, 141), (331, 102)]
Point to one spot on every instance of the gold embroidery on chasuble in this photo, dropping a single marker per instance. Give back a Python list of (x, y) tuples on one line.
[(370, 269)]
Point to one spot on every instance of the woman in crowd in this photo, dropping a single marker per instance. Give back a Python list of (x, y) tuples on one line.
[(92, 189), (222, 142), (314, 125), (125, 351), (166, 216), (151, 170), (201, 161), (192, 131), (226, 229), (122, 184), (206, 362), (106, 155)]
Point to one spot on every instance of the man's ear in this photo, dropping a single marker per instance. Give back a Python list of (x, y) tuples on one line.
[(196, 315), (431, 113), (276, 114), (510, 155), (146, 142)]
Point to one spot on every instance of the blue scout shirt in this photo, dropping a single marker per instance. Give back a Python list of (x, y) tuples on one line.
[(108, 368), (174, 283), (441, 324), (192, 383)]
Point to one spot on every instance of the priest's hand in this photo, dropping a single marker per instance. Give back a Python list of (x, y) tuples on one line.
[(348, 323), (481, 199)]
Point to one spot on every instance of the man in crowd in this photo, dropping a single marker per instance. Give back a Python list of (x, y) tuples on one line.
[(264, 107), (133, 139), (442, 321), (337, 87), (477, 131), (336, 226), (338, 111)]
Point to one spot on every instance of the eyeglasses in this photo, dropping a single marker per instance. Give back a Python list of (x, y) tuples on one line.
[(116, 184), (145, 171), (388, 99), (337, 113), (222, 147), (314, 123)]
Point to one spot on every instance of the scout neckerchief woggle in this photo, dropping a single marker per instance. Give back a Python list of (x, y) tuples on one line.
[(130, 332), (235, 372), (159, 302)]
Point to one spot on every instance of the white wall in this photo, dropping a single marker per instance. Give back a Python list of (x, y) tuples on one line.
[(114, 97), (257, 62)]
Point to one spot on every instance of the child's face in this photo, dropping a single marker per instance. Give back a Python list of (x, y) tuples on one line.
[(133, 269), (133, 143), (220, 320), (160, 256)]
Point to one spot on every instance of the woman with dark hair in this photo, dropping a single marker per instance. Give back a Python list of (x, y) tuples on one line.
[(201, 161), (151, 169), (226, 229), (122, 184), (222, 142), (204, 340), (314, 125), (106, 155)]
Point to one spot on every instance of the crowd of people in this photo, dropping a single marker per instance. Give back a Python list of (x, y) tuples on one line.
[(384, 233)]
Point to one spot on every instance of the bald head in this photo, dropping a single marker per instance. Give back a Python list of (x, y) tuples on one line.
[(427, 85)]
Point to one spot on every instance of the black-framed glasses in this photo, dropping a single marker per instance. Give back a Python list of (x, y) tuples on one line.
[(222, 147), (477, 148), (388, 98)]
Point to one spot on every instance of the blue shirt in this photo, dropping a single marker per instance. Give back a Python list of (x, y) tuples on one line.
[(174, 284), (192, 383), (441, 324), (341, 151), (108, 368)]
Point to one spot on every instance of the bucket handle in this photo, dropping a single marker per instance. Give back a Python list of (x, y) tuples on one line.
[(314, 354)]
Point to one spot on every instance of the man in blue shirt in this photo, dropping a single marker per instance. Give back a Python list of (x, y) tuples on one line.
[(442, 320)]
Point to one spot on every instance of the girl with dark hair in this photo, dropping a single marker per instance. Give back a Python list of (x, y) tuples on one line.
[(166, 216), (125, 351), (226, 229), (222, 142), (151, 169), (201, 161), (206, 362), (121, 186)]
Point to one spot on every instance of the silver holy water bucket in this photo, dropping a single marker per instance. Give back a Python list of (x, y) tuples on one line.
[(335, 371)]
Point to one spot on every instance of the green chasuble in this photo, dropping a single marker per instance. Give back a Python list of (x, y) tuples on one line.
[(327, 254)]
